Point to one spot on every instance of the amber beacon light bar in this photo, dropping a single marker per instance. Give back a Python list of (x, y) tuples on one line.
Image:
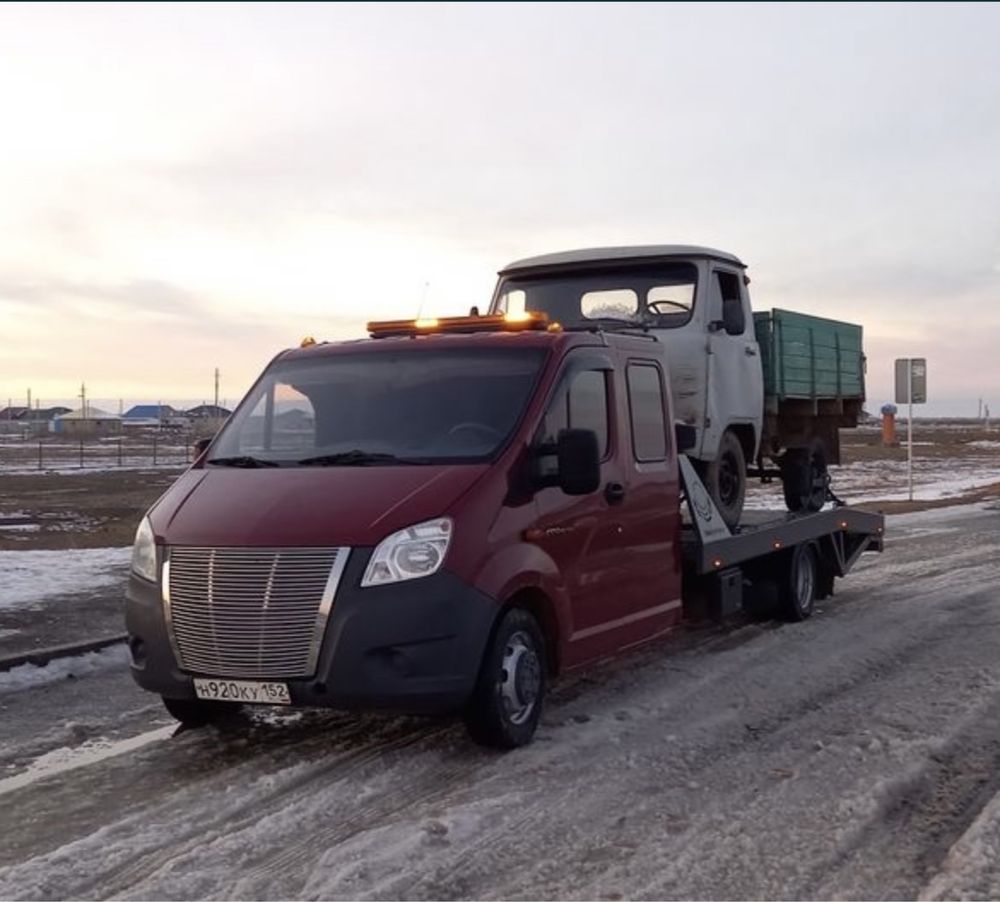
[(500, 322)]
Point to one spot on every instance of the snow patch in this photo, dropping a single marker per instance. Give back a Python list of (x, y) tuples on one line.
[(28, 676), (28, 577)]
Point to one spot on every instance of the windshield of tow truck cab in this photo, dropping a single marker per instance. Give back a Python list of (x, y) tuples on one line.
[(418, 406), (660, 295)]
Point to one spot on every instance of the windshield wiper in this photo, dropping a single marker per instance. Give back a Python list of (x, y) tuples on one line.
[(354, 458), (243, 461)]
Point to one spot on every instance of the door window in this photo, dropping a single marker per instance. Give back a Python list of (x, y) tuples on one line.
[(581, 404), (646, 412), (727, 303)]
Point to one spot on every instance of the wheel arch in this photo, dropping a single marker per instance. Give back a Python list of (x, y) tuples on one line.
[(537, 603), (747, 435)]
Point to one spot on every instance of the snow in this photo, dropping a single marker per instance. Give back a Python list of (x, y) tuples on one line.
[(29, 676), (66, 758), (850, 756), (969, 869), (934, 479), (29, 577), (984, 443)]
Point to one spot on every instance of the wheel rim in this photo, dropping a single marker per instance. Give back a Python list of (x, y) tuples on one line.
[(805, 582), (729, 480), (520, 678)]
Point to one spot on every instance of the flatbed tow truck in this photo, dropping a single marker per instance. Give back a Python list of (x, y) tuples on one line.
[(443, 517)]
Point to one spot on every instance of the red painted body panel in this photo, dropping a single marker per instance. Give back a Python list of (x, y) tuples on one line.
[(355, 506), (610, 572)]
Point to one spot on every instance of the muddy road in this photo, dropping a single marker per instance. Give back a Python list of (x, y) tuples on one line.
[(856, 755)]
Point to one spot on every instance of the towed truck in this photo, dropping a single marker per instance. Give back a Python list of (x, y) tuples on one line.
[(771, 387), (444, 517)]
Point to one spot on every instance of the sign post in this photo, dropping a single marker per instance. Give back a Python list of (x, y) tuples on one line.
[(911, 388)]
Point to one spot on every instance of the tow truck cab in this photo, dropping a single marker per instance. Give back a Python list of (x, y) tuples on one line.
[(436, 519)]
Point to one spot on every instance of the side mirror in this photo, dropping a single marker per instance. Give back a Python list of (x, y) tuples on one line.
[(733, 320), (201, 446), (474, 310), (579, 459), (686, 436)]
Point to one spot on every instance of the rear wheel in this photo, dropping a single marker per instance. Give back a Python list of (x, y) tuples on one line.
[(726, 478), (805, 478), (196, 712), (798, 595), (506, 704)]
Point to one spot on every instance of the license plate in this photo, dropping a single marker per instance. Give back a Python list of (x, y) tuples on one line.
[(248, 691)]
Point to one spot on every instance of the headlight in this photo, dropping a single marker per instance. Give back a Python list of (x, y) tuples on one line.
[(144, 552), (412, 552)]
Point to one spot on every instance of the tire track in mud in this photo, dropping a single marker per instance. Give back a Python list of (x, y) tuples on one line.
[(285, 868), (339, 767), (131, 829), (927, 814)]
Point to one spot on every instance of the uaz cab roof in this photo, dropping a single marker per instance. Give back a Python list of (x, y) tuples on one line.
[(646, 253)]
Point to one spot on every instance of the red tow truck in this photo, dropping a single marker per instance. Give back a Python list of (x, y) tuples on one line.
[(442, 518)]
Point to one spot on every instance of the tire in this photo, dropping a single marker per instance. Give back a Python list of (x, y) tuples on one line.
[(726, 478), (800, 584), (805, 478), (505, 707), (196, 712)]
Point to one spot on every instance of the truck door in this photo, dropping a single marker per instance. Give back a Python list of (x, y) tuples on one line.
[(735, 382), (650, 561), (584, 534)]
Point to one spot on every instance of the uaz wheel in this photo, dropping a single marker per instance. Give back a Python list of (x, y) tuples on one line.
[(726, 478), (805, 478), (506, 704)]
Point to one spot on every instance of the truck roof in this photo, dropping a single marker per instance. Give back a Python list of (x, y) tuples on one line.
[(634, 253), (498, 339)]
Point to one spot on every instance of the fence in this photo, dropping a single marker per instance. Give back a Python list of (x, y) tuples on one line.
[(27, 455)]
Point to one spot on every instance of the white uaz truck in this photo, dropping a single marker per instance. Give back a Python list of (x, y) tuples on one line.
[(769, 386)]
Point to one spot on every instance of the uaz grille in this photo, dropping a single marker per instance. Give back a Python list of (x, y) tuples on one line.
[(257, 613)]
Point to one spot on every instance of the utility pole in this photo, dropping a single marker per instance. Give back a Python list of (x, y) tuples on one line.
[(216, 411), (83, 399), (29, 400)]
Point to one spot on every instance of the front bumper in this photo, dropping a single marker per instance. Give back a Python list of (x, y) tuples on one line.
[(411, 646)]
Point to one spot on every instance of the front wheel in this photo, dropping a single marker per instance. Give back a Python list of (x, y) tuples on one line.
[(506, 704), (196, 712)]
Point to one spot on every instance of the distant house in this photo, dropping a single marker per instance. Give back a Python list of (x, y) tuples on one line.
[(26, 421), (92, 421), (208, 412), (155, 415), (30, 414)]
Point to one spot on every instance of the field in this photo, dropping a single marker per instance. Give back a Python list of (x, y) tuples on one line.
[(99, 505)]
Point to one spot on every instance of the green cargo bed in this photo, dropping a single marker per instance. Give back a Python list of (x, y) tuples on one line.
[(809, 357)]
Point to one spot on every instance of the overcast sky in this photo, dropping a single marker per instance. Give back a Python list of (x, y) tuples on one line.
[(190, 187)]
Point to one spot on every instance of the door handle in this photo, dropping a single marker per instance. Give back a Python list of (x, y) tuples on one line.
[(614, 492), (750, 352)]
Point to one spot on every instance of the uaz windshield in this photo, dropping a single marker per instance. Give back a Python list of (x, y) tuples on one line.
[(660, 295), (357, 409)]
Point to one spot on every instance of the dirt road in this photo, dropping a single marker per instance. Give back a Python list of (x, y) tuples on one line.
[(856, 755)]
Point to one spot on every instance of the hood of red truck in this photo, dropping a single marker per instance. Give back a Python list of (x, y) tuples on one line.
[(305, 506)]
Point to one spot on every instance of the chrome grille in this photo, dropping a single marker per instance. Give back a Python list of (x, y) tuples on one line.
[(255, 613)]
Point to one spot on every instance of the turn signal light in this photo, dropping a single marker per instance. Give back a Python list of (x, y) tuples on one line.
[(500, 322)]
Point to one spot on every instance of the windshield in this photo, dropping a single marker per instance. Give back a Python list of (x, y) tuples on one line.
[(661, 296), (406, 406)]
